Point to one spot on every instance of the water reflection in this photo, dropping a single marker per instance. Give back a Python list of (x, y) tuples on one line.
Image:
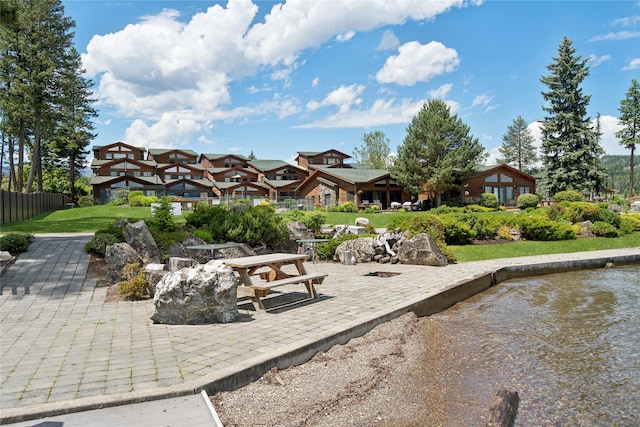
[(568, 343)]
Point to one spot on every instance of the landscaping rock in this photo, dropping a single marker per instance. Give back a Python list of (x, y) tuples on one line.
[(421, 250), (176, 263), (196, 295), (362, 222), (139, 237), (117, 256), (361, 248)]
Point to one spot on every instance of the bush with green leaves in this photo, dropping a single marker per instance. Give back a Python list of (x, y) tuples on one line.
[(537, 227), (121, 197), (99, 242), (348, 207), (313, 220), (257, 226), (135, 286), (609, 216), (15, 243), (456, 230), (603, 229), (555, 211), (478, 208), (489, 200), (527, 200), (569, 196), (630, 223)]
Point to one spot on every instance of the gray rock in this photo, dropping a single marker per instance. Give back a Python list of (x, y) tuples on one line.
[(362, 222), (140, 238), (196, 295), (421, 250), (117, 256), (176, 263), (180, 250), (154, 274), (361, 248)]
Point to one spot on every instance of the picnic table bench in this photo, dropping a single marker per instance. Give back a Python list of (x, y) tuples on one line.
[(269, 268)]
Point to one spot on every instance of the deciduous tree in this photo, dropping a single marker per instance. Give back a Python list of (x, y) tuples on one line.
[(374, 151)]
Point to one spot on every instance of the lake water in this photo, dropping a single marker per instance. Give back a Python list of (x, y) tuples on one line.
[(568, 343)]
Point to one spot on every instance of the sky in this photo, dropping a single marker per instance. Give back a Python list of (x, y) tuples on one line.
[(276, 78)]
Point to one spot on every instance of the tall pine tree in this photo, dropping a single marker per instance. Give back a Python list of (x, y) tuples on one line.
[(629, 135), (438, 151), (517, 146), (570, 145), (35, 68)]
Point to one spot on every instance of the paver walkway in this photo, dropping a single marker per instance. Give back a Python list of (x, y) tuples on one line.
[(64, 349)]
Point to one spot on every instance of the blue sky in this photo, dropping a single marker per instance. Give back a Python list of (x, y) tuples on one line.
[(278, 78)]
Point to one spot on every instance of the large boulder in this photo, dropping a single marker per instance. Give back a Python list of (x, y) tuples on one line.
[(361, 248), (179, 250), (421, 250), (140, 238), (117, 256), (196, 295)]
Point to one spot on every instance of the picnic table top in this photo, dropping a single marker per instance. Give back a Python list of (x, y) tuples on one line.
[(266, 259)]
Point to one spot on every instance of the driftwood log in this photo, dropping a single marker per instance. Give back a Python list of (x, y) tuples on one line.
[(503, 411)]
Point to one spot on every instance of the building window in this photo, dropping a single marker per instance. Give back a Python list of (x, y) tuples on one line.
[(525, 189), (505, 178), (108, 156), (492, 178)]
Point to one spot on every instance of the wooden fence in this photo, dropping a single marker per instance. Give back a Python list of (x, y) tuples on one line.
[(21, 206)]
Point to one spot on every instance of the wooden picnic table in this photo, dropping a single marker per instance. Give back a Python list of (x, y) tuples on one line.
[(259, 273)]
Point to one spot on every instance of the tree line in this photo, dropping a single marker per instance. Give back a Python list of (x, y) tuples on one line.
[(46, 105), (438, 152)]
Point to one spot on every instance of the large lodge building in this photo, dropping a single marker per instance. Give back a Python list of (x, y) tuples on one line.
[(319, 178)]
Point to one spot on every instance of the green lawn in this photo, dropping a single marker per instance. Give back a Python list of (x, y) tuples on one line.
[(76, 220)]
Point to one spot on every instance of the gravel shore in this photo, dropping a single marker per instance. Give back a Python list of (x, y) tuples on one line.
[(407, 372)]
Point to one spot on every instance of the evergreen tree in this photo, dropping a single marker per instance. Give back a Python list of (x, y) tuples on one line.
[(437, 151), (74, 132), (35, 50), (517, 146), (374, 151), (629, 135), (570, 146), (251, 156)]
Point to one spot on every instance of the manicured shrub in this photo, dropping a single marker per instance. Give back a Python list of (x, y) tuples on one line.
[(609, 216), (456, 231), (348, 207), (99, 242), (489, 200), (504, 232), (569, 196), (555, 211), (603, 229), (135, 286), (630, 223), (583, 211), (536, 227), (428, 224), (478, 208), (527, 200), (15, 243), (203, 234), (121, 198)]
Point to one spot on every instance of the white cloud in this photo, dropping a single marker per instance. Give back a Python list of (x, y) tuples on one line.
[(382, 112), (597, 60), (632, 65), (345, 37), (627, 21), (343, 97), (416, 62), (389, 41), (315, 82), (441, 92), (168, 66), (482, 99), (619, 35)]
